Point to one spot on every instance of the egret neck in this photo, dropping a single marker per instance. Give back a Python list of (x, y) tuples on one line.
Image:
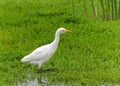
[(57, 39)]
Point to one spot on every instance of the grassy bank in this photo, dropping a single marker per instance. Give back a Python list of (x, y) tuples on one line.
[(88, 55)]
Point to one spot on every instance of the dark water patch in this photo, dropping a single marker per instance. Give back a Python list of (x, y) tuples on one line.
[(48, 70)]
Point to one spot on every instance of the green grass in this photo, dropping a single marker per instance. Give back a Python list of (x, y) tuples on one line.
[(90, 54)]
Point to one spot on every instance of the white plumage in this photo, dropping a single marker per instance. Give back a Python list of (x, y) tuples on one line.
[(44, 53)]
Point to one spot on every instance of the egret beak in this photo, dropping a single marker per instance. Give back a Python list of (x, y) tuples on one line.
[(68, 30)]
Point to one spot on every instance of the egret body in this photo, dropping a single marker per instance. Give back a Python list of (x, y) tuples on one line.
[(42, 54)]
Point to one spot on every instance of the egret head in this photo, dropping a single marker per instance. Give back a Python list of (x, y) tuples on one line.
[(63, 30)]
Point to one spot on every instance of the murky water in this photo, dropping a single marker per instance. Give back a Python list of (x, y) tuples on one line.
[(45, 82)]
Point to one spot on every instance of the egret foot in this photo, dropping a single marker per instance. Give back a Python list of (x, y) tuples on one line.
[(40, 70), (51, 70)]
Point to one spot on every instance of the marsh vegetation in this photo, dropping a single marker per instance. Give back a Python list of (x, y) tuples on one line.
[(88, 55)]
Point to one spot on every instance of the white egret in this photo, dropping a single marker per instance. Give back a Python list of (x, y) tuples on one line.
[(42, 54)]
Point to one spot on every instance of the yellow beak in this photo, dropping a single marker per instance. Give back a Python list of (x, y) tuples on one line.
[(68, 30)]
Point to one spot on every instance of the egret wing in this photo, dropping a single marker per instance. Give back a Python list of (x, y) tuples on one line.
[(38, 54)]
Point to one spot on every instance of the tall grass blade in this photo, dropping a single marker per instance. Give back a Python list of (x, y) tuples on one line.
[(112, 3), (85, 8), (119, 10), (108, 6), (94, 8), (115, 8), (107, 9), (103, 8), (73, 6)]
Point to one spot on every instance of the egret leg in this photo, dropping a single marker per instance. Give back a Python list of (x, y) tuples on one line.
[(40, 68)]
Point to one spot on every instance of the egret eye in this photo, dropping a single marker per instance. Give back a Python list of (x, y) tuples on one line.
[(63, 30)]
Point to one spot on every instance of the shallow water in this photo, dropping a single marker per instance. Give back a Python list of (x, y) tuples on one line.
[(45, 82)]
